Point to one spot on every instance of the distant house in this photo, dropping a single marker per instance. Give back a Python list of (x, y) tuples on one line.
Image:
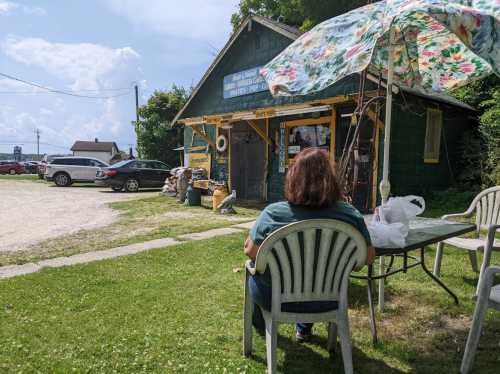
[(103, 151)]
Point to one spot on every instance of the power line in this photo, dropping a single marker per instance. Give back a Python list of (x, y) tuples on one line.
[(62, 92)]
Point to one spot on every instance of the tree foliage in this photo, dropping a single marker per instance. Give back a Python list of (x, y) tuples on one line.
[(481, 150), (156, 138), (303, 14)]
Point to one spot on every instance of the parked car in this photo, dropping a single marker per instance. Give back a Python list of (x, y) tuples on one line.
[(31, 167), (47, 159), (65, 171), (131, 175), (11, 167)]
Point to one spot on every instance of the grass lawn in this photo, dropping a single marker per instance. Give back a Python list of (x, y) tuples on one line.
[(179, 310), (140, 220), (21, 177)]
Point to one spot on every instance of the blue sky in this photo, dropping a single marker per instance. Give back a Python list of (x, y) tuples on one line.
[(92, 47)]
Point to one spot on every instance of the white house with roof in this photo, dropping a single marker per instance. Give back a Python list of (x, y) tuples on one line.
[(103, 151)]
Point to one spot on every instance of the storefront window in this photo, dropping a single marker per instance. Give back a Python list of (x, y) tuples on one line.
[(304, 135)]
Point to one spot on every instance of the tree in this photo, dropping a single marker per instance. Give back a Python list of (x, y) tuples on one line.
[(156, 137), (481, 151), (303, 14)]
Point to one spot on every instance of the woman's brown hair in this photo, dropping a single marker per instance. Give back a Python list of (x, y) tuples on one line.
[(311, 180)]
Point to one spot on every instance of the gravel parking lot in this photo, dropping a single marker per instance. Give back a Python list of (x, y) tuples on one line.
[(31, 212)]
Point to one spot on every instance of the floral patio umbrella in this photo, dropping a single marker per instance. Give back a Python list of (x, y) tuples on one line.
[(428, 45)]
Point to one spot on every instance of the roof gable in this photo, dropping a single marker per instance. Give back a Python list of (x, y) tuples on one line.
[(84, 146), (287, 31)]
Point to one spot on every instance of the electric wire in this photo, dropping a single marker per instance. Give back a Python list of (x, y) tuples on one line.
[(62, 92)]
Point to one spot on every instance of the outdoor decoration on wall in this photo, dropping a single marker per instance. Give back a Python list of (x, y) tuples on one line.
[(244, 83), (221, 143)]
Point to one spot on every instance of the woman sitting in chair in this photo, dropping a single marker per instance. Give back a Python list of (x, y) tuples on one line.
[(312, 192)]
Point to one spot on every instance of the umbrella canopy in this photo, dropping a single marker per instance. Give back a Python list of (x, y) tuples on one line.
[(428, 45), (439, 45)]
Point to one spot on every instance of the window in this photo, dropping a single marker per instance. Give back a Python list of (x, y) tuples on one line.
[(307, 133), (160, 165), (433, 135), (96, 163)]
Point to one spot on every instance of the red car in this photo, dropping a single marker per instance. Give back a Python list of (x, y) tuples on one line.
[(11, 167)]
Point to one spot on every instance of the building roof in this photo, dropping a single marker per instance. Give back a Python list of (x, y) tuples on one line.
[(288, 31), (95, 146)]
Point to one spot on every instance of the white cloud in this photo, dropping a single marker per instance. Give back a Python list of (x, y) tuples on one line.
[(83, 65), (7, 7), (36, 11), (199, 19)]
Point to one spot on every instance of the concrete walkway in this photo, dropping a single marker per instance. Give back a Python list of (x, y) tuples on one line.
[(84, 258)]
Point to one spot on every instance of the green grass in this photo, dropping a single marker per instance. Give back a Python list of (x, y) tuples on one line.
[(140, 220), (179, 310), (21, 177)]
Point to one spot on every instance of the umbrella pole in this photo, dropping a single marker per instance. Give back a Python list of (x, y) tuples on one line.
[(385, 186)]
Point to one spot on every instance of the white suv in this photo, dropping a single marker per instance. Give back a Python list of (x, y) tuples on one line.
[(66, 170)]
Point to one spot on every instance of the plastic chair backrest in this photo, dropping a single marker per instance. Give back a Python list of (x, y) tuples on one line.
[(487, 205), (311, 260)]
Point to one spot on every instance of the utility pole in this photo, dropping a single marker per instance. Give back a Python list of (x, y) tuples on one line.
[(137, 103), (37, 132)]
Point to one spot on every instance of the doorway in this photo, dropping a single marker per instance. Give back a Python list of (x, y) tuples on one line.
[(248, 164)]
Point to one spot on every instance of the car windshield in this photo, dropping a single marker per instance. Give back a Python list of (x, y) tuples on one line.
[(121, 163)]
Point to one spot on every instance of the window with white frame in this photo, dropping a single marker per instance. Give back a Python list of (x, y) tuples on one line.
[(433, 135)]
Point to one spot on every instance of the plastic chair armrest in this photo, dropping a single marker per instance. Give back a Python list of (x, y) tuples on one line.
[(456, 215)]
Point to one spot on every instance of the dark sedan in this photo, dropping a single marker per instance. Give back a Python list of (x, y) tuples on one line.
[(131, 175)]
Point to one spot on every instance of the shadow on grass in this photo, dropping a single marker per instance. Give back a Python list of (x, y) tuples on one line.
[(307, 358)]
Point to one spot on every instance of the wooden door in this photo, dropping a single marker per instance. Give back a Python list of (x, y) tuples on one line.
[(247, 162)]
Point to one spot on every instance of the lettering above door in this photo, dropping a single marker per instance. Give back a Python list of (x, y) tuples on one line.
[(244, 83)]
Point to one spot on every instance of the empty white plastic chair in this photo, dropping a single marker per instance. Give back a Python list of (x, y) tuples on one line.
[(488, 297), (486, 206), (308, 261)]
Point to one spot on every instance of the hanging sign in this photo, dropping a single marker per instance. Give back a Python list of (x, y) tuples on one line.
[(282, 155), (244, 83), (201, 160)]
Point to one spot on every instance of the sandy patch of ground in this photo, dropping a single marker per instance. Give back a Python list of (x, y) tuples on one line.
[(32, 212)]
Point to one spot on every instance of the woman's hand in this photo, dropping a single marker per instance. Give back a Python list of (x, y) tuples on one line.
[(250, 249), (371, 255)]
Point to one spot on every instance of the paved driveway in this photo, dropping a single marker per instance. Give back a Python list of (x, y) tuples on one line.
[(31, 212)]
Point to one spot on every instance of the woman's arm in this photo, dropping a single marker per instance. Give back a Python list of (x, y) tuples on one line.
[(371, 255), (250, 249)]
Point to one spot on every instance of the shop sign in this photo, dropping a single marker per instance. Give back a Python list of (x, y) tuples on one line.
[(282, 154), (201, 160), (244, 83)]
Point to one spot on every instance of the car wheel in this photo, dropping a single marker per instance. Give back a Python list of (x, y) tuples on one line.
[(117, 189), (132, 185), (62, 180), (12, 172)]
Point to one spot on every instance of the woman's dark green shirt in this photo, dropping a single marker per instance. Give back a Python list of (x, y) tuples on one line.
[(280, 214)]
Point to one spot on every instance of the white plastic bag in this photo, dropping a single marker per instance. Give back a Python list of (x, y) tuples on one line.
[(385, 235), (391, 221)]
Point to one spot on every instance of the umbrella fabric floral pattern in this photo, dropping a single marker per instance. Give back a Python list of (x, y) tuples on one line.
[(440, 45)]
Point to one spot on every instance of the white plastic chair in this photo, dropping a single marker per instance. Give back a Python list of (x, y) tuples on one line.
[(308, 261), (486, 206), (488, 297)]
